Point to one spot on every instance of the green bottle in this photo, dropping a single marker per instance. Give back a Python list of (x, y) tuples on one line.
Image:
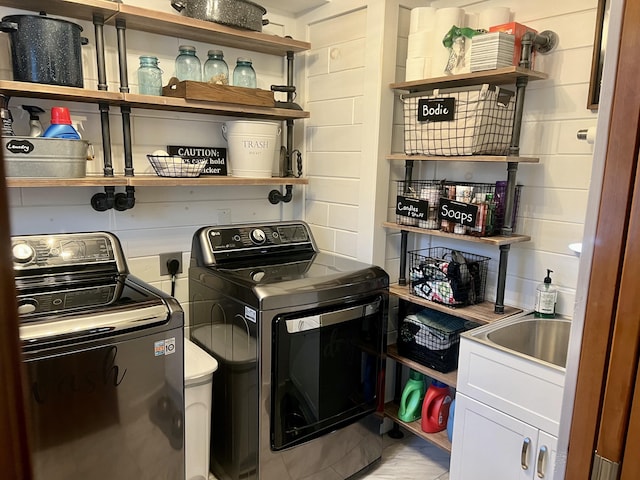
[(412, 396)]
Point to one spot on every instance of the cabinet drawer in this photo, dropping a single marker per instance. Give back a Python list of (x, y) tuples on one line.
[(529, 391)]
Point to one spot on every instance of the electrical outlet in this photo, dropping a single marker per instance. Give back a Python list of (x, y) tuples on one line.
[(165, 258)]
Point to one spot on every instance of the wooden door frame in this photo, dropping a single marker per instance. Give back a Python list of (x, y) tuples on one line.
[(15, 460), (608, 249)]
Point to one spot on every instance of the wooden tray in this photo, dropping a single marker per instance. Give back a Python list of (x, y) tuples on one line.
[(190, 90)]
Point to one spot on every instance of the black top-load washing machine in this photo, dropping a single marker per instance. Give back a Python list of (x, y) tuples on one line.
[(299, 338), (104, 357)]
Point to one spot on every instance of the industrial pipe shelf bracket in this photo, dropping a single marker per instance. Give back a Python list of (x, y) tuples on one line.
[(275, 196), (101, 202)]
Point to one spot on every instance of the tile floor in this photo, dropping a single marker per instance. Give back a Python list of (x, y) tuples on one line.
[(408, 458)]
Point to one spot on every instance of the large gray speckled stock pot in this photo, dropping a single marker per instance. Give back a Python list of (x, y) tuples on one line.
[(235, 13)]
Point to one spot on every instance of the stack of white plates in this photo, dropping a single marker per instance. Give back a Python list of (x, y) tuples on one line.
[(492, 50)]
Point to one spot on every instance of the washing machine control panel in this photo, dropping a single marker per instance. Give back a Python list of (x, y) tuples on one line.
[(259, 239), (33, 253)]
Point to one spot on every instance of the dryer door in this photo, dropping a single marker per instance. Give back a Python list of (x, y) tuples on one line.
[(326, 365)]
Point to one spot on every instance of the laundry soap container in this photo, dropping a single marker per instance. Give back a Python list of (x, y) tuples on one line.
[(435, 407), (198, 376), (412, 396)]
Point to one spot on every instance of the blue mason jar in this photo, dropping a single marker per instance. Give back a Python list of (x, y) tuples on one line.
[(188, 66), (216, 69), (149, 76), (244, 75)]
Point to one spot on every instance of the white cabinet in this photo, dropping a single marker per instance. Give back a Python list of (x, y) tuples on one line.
[(507, 411), (491, 445)]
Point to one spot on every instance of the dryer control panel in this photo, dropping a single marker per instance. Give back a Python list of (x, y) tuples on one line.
[(227, 242)]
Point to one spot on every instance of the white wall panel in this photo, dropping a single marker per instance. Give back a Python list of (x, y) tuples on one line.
[(335, 138), (317, 61), (347, 55), (346, 243), (334, 190), (331, 112), (343, 217), (333, 164), (317, 213), (336, 30), (553, 171), (342, 84)]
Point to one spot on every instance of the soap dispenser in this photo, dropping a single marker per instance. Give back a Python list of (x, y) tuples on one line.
[(546, 297)]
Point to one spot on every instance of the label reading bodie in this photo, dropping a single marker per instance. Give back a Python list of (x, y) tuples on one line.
[(436, 109)]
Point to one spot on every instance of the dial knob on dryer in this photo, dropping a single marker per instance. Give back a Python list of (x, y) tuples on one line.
[(258, 236), (23, 252)]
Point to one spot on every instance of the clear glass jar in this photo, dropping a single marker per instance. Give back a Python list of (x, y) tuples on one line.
[(244, 75), (216, 69), (149, 76), (188, 66)]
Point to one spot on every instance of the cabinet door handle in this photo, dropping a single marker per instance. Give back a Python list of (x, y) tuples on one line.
[(542, 456), (525, 453)]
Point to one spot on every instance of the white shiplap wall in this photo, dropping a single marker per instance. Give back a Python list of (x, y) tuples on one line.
[(358, 48), (554, 194), (163, 219)]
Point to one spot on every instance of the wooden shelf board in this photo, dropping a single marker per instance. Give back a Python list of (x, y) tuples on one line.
[(496, 240), (500, 76), (56, 92), (214, 108), (450, 378), (480, 312), (177, 25), (79, 9), (91, 181), (149, 181), (439, 439), (471, 158), (155, 181), (71, 94)]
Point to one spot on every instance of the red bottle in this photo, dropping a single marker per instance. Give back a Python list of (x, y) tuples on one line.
[(435, 407)]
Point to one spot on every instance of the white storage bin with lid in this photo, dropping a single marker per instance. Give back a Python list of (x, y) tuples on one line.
[(198, 377)]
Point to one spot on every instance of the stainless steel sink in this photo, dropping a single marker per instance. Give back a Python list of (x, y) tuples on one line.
[(541, 339)]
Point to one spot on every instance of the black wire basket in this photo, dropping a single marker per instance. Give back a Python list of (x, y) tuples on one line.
[(174, 166)]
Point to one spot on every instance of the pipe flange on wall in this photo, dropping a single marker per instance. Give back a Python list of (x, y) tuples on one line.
[(101, 202), (547, 41), (275, 196)]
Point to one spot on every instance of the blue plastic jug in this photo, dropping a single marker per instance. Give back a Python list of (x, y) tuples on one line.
[(412, 396), (452, 409)]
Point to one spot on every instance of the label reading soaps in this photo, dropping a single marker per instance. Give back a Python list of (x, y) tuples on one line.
[(458, 212), (436, 109), (216, 157)]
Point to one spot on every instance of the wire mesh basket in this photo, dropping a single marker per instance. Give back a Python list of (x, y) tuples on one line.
[(447, 276), (175, 166), (482, 123), (489, 198), (432, 338)]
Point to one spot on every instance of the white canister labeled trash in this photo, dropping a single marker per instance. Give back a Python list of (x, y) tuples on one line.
[(252, 147)]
